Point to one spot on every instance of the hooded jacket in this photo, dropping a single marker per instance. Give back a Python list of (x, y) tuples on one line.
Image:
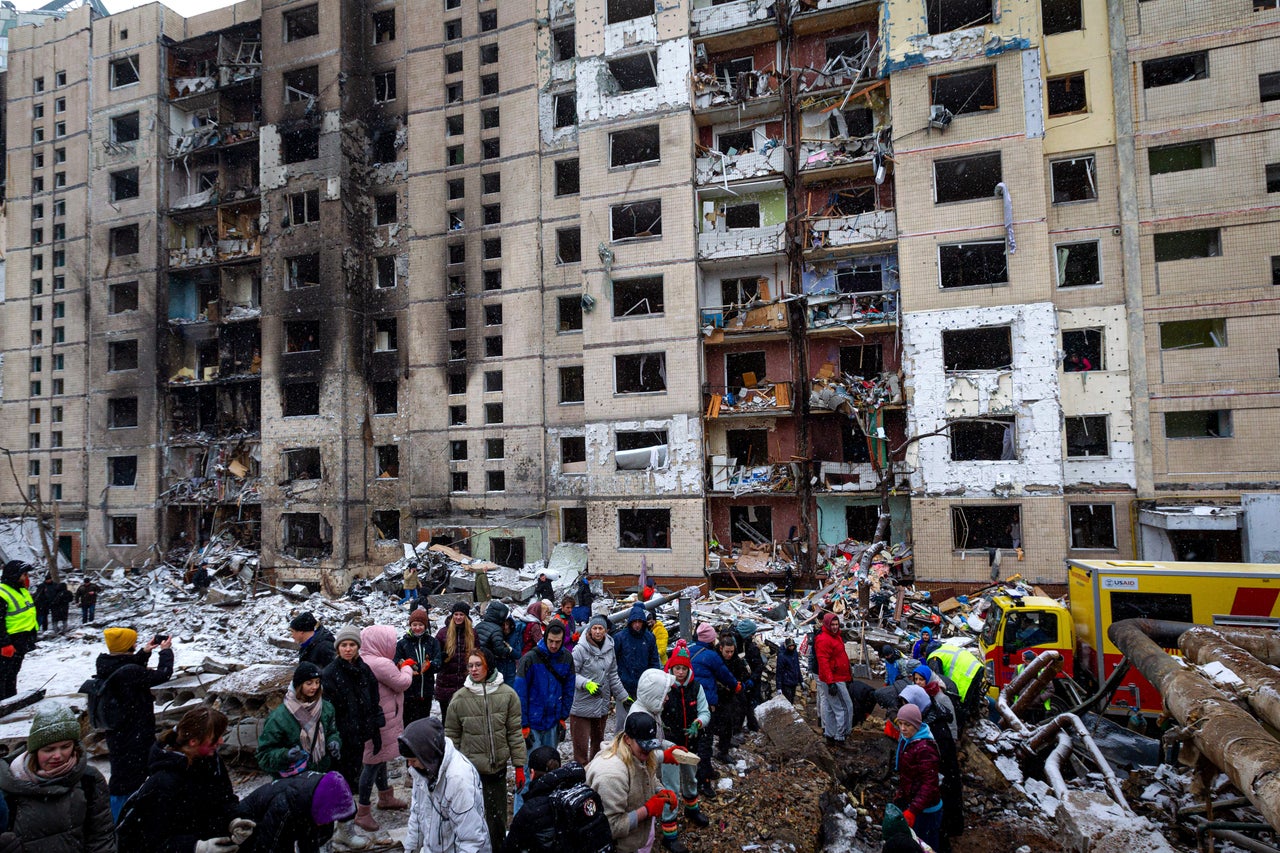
[(129, 744), (421, 650), (446, 812), (544, 683), (636, 650), (489, 632), (709, 668), (833, 659), (318, 650), (352, 689), (533, 829), (180, 803), (531, 631), (598, 664), (484, 721), (70, 814), (651, 693), (282, 812), (946, 709), (917, 762), (378, 650)]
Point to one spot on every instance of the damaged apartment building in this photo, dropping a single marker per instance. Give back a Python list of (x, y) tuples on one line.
[(700, 284)]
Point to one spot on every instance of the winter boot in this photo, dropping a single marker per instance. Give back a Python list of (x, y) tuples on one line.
[(387, 801), (345, 837), (694, 815), (706, 792), (674, 844), (364, 819)]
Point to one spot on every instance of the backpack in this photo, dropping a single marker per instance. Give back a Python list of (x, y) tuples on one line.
[(105, 710), (581, 826)]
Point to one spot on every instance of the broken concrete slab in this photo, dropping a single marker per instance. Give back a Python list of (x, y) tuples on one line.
[(789, 737), (1091, 822)]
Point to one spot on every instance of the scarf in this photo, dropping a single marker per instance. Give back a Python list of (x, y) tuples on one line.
[(489, 685), (23, 772), (311, 729)]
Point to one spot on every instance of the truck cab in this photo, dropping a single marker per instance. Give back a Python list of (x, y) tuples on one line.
[(1017, 623)]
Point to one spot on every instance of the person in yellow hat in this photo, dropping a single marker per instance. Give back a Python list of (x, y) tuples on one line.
[(124, 690)]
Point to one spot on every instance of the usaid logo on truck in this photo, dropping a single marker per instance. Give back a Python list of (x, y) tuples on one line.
[(1130, 584)]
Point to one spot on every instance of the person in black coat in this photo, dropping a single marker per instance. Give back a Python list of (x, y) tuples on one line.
[(125, 680), (753, 690), (420, 646), (350, 685), (188, 798), (787, 669), (490, 634), (296, 813), (315, 644), (533, 829), (42, 595), (542, 590), (60, 599)]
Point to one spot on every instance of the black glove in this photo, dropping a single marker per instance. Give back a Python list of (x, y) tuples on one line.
[(335, 749), (10, 843), (831, 689)]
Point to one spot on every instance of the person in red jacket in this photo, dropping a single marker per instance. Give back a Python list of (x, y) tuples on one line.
[(835, 674), (918, 763)]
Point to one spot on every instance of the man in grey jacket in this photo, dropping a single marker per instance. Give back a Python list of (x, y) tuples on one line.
[(597, 685)]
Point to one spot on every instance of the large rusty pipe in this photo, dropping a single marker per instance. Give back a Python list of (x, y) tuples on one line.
[(620, 616), (1225, 733), (1202, 645), (1047, 673)]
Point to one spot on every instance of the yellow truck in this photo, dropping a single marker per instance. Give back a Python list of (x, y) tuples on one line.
[(1104, 591)]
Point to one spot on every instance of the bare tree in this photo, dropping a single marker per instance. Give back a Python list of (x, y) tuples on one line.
[(46, 520)]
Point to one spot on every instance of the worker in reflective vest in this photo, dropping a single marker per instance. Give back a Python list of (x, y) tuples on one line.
[(18, 635), (1027, 657), (966, 671)]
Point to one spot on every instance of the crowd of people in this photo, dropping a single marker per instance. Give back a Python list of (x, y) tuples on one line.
[(467, 707)]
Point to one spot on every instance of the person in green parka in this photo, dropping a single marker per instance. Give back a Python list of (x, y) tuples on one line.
[(301, 733)]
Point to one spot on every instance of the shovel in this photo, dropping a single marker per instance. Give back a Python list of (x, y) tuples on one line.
[(862, 669)]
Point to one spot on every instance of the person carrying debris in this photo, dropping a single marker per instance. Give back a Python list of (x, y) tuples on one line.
[(457, 641), (126, 707), (351, 687), (835, 673), (710, 670), (636, 651), (787, 669), (57, 800), (624, 774), (18, 628), (446, 812), (315, 644), (378, 651), (420, 647), (685, 716), (87, 599), (298, 813), (544, 682), (187, 803), (596, 686), (917, 762), (300, 734), (484, 722)]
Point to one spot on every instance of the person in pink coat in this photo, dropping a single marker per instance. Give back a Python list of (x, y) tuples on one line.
[(378, 651)]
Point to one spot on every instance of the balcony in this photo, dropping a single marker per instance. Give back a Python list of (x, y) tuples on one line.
[(741, 242), (837, 158), (851, 395), (834, 477), (766, 399), (859, 230), (211, 135), (725, 476), (711, 20), (751, 94), (851, 310), (755, 318), (717, 168), (223, 251)]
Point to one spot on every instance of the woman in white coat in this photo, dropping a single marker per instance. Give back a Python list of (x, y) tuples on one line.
[(446, 811)]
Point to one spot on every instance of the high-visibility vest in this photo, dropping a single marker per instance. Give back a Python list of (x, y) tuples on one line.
[(20, 610), (960, 666)]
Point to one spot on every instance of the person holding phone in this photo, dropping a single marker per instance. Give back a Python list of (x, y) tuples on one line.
[(125, 683)]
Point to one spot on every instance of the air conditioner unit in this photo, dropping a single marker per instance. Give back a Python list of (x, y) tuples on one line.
[(939, 116)]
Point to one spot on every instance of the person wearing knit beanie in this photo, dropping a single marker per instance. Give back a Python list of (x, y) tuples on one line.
[(52, 723), (420, 617), (347, 632), (120, 640), (460, 607), (305, 672), (420, 647), (909, 713), (679, 657), (706, 633)]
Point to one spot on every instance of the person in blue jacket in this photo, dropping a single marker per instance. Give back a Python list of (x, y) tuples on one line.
[(709, 669), (545, 684), (925, 646), (636, 650), (787, 666)]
